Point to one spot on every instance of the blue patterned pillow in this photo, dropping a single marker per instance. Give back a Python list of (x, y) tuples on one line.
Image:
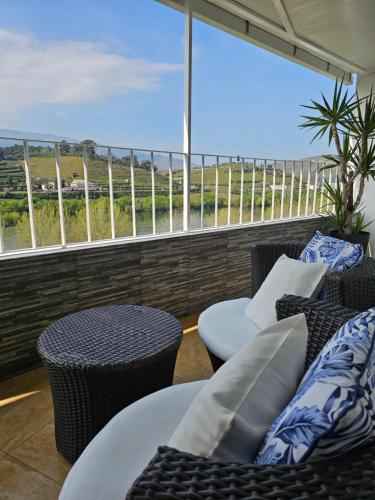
[(333, 409), (339, 255)]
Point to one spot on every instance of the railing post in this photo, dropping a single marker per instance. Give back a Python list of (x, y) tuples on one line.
[(300, 186), (2, 246), (111, 202), (170, 192), (187, 111), (132, 187), (253, 191), (202, 193), (229, 190), (315, 191), (241, 191), (308, 189), (292, 190), (153, 193), (59, 194), (282, 201), (87, 194), (29, 193), (264, 190), (273, 190), (217, 191), (322, 191)]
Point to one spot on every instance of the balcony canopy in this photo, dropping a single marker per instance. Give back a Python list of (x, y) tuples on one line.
[(335, 37)]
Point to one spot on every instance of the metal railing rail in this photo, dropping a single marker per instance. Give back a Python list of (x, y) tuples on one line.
[(245, 188)]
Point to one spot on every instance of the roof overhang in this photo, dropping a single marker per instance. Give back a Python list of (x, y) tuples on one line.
[(239, 19)]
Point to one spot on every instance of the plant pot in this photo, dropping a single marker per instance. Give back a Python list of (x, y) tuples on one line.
[(363, 237)]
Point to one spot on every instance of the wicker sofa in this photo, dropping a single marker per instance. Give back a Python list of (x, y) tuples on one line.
[(354, 288), (224, 328), (176, 475)]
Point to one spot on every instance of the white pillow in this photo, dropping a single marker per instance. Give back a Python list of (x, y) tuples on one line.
[(288, 276), (230, 416)]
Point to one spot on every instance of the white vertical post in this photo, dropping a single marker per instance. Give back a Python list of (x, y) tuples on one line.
[(241, 190), (330, 183), (300, 189), (202, 193), (264, 190), (132, 187), (59, 194), (253, 191), (111, 204), (282, 192), (273, 190), (153, 193), (187, 111), (322, 191), (315, 191), (292, 190), (29, 193), (216, 191), (308, 189), (2, 246), (170, 193), (87, 195), (229, 190)]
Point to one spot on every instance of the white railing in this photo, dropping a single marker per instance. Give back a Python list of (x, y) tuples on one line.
[(224, 191)]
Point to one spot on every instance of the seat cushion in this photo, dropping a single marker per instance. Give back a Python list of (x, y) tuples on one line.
[(118, 454), (224, 328)]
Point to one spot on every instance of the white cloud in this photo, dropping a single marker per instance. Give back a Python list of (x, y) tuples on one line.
[(33, 72), (61, 114)]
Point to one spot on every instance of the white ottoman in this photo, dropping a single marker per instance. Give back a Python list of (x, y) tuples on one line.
[(118, 454), (224, 328)]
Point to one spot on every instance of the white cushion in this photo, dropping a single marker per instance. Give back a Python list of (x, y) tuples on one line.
[(231, 414), (224, 327), (288, 276), (119, 453)]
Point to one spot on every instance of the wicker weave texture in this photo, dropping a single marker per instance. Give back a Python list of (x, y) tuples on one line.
[(89, 389), (176, 475)]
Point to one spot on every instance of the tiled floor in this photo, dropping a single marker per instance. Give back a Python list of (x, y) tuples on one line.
[(30, 466)]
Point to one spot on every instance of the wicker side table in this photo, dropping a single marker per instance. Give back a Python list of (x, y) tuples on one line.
[(101, 360)]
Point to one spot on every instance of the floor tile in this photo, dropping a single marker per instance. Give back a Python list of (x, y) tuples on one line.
[(20, 482), (193, 362), (42, 371), (25, 407), (39, 451)]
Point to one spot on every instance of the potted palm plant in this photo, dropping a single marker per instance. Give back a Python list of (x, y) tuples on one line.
[(349, 122)]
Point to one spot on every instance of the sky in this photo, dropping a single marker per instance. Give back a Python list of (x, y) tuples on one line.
[(113, 71)]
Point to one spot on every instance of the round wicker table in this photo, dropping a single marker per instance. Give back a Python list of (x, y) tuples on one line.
[(101, 360)]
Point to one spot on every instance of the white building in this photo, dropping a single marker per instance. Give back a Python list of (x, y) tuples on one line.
[(79, 185)]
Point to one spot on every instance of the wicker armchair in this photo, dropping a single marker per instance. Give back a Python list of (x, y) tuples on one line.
[(177, 475), (354, 288)]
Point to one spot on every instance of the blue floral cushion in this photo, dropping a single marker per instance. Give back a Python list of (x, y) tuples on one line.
[(339, 255), (334, 407)]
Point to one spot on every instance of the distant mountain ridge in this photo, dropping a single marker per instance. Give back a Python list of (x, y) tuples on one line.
[(18, 134)]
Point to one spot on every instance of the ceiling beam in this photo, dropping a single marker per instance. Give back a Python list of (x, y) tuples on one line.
[(284, 16), (250, 15), (236, 25)]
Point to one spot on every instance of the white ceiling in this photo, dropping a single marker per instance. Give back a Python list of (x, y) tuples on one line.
[(334, 37), (345, 28)]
